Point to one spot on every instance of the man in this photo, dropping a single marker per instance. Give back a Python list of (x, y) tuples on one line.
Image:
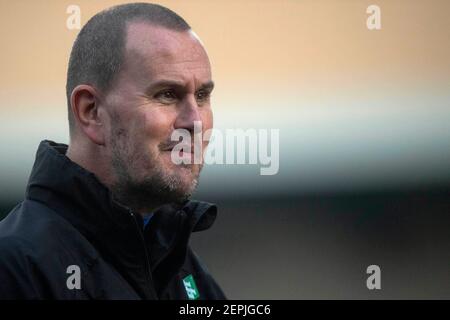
[(108, 217)]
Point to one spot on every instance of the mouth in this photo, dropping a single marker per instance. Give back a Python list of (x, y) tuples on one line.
[(182, 154)]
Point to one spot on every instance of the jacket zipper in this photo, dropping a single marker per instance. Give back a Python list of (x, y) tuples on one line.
[(147, 259)]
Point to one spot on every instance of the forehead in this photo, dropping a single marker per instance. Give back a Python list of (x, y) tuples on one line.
[(155, 50)]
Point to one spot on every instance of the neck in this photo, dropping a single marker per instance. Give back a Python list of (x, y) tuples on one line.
[(93, 159)]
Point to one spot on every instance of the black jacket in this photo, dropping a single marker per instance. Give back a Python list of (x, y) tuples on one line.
[(69, 220)]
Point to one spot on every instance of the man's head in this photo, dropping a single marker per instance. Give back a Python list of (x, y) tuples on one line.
[(136, 73)]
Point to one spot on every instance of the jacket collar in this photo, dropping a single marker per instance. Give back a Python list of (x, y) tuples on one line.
[(78, 196)]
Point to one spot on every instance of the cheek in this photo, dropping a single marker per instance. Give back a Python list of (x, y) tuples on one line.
[(206, 116), (157, 124), (207, 124)]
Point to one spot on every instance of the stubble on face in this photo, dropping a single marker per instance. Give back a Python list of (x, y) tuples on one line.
[(143, 181), (143, 175)]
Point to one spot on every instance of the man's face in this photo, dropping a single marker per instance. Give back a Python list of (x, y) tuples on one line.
[(164, 85)]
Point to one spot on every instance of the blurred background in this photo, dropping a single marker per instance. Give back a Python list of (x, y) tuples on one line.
[(364, 118)]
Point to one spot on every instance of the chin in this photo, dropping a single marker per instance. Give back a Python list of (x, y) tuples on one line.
[(187, 178), (191, 170), (184, 177), (184, 190)]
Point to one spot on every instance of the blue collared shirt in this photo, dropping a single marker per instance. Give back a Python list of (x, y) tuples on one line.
[(147, 219)]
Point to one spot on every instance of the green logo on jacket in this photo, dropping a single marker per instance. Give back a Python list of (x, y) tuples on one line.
[(191, 287)]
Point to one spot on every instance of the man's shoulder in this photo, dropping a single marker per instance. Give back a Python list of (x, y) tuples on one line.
[(35, 230), (30, 220), (36, 248), (18, 258)]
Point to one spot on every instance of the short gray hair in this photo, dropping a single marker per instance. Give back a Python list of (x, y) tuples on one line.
[(98, 51)]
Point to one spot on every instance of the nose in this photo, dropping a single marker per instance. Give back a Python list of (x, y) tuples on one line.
[(188, 113)]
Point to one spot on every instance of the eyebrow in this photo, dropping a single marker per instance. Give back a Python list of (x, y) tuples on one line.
[(178, 84), (208, 85)]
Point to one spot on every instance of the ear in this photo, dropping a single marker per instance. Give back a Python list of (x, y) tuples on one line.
[(85, 101)]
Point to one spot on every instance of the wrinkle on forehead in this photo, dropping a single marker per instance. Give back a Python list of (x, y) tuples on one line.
[(147, 43), (154, 52)]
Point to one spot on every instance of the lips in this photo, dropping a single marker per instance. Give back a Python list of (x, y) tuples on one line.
[(181, 148)]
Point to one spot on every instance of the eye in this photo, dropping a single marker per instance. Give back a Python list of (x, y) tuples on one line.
[(166, 96), (202, 95)]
